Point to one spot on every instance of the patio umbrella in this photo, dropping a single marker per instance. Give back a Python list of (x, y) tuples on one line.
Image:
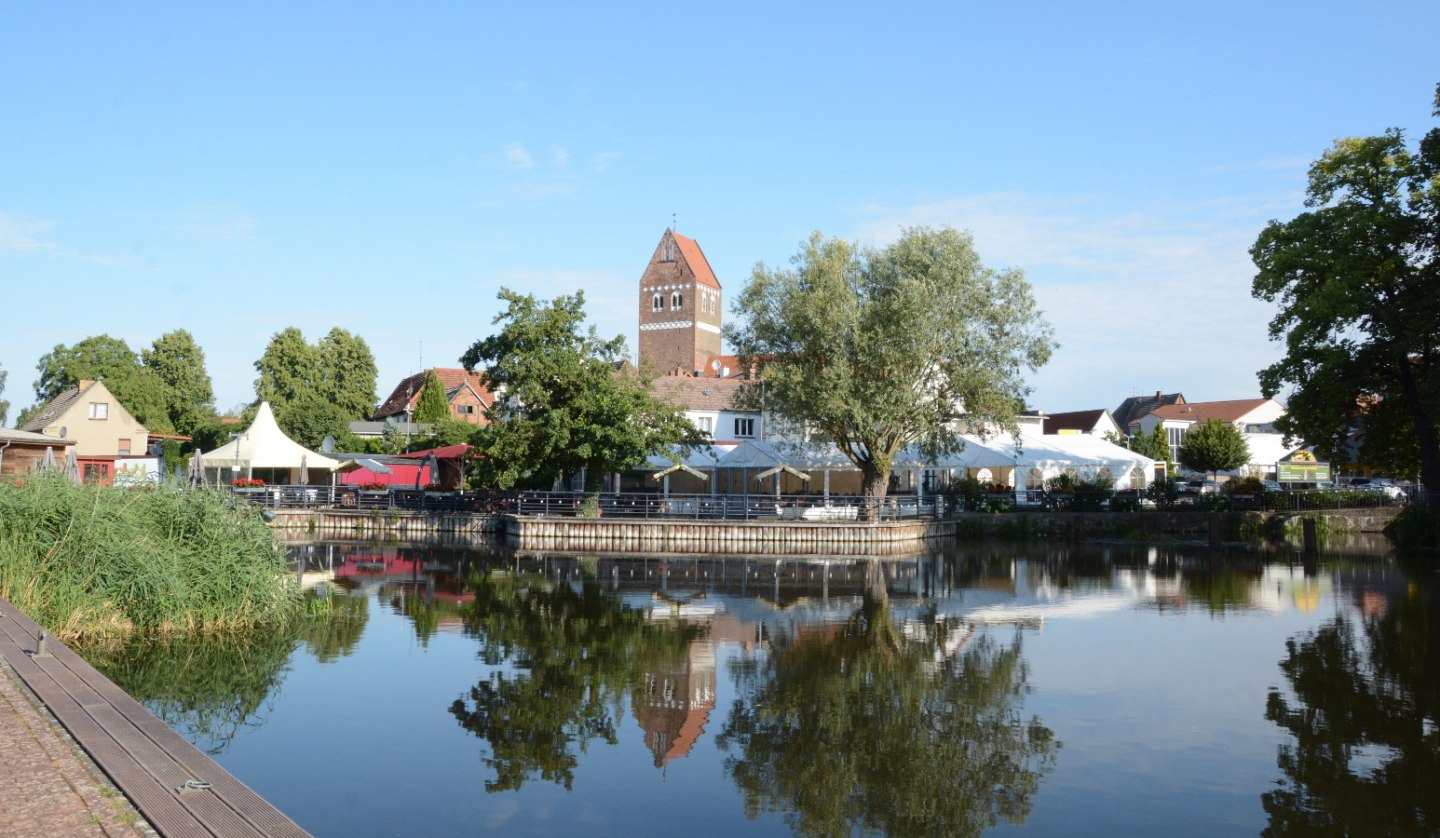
[(304, 471), (197, 468), (72, 466), (434, 468), (47, 462)]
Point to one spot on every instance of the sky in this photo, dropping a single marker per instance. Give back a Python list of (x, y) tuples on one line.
[(237, 169)]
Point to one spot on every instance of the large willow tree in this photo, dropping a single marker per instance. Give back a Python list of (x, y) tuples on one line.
[(880, 349)]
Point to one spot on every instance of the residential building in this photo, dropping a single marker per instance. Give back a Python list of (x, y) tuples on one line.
[(680, 308), (1135, 408), (466, 391), (1249, 416), (1089, 422), (91, 416), (23, 452), (709, 404)]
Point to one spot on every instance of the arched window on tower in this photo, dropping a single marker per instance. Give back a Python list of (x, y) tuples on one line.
[(657, 303), (676, 301)]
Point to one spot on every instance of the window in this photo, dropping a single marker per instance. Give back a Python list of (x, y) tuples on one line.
[(657, 303), (744, 427), (124, 446), (464, 408), (705, 424), (676, 300), (1176, 437), (99, 410)]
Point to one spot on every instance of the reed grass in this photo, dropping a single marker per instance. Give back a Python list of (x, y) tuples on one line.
[(90, 562)]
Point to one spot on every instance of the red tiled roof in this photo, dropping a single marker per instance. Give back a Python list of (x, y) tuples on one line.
[(697, 393), (695, 257), (407, 392), (732, 362), (1227, 411)]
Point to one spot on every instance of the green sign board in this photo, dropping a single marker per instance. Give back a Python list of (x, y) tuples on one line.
[(1302, 472)]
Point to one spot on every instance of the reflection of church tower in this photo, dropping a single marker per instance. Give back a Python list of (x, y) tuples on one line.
[(679, 307), (673, 707)]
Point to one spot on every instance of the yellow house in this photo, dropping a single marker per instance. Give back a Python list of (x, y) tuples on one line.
[(90, 415)]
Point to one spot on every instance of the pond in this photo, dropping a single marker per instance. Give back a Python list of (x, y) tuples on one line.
[(1060, 690)]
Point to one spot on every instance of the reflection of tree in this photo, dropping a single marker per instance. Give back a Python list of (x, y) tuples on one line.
[(206, 687), (333, 633), (574, 654), (1365, 758), (1221, 586), (862, 728)]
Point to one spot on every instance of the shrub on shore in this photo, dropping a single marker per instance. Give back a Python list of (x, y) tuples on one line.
[(89, 562)]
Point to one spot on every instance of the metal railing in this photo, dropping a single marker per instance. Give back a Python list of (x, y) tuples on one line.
[(796, 507)]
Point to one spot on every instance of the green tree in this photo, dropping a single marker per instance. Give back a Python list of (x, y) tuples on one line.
[(432, 406), (103, 358), (1214, 446), (179, 363), (880, 349), (568, 404), (1153, 445), (4, 405), (347, 367), (316, 391), (868, 730), (1357, 280)]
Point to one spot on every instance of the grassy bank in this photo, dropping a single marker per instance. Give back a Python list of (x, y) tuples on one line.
[(91, 562)]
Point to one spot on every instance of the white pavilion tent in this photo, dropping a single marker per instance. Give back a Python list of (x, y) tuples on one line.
[(264, 447), (1026, 464)]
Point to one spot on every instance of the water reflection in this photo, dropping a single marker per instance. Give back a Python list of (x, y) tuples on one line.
[(1363, 717), (870, 726), (571, 653), (208, 688)]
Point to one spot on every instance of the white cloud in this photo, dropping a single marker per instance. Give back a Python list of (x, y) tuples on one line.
[(24, 235), (518, 157), (1141, 298)]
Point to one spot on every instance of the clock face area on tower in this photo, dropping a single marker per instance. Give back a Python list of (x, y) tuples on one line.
[(680, 308)]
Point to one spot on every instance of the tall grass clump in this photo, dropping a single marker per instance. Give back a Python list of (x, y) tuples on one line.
[(90, 562)]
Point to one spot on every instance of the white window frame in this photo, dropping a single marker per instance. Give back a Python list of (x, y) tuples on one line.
[(744, 427), (99, 410)]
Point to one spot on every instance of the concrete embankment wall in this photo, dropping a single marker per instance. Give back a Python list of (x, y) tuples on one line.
[(794, 537)]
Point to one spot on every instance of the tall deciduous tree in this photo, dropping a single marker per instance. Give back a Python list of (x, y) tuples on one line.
[(1357, 280), (179, 363), (432, 407), (1214, 446), (880, 349), (316, 391), (566, 403), (103, 358)]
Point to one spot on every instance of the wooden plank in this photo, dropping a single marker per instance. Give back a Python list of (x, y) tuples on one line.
[(143, 756)]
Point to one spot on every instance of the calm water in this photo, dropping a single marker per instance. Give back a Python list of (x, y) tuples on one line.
[(1062, 691)]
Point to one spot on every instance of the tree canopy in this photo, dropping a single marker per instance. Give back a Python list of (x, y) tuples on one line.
[(879, 349), (179, 363), (1357, 280), (432, 406), (566, 401), (104, 358), (1214, 446), (316, 391)]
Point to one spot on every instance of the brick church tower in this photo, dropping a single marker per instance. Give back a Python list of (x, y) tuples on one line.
[(679, 307)]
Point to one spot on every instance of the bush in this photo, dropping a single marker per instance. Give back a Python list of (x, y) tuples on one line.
[(95, 561), (1164, 491), (1417, 528)]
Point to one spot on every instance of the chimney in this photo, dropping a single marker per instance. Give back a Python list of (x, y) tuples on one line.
[(1158, 394)]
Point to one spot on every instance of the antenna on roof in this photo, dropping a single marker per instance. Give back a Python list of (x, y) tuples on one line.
[(674, 225), (422, 356)]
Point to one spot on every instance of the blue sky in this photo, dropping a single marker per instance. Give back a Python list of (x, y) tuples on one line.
[(236, 170)]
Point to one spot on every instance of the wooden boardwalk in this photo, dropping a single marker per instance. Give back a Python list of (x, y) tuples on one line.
[(178, 789)]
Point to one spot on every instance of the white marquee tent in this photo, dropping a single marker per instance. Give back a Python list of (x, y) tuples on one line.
[(263, 446)]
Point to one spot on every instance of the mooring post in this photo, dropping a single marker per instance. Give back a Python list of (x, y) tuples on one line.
[(1214, 529), (40, 650), (1311, 541)]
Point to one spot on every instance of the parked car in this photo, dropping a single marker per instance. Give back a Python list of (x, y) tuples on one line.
[(1382, 485), (1272, 486), (1199, 487)]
